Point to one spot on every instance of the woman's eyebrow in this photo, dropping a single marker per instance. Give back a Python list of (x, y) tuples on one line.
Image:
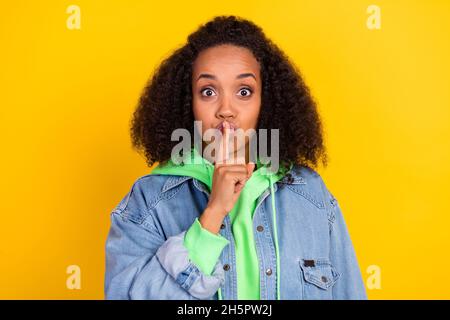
[(210, 76)]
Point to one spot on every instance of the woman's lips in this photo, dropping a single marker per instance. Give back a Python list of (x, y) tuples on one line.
[(231, 126)]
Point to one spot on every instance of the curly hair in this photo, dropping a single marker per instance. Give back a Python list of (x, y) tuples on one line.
[(286, 102)]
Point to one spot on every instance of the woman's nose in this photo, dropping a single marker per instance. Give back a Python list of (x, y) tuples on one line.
[(225, 110)]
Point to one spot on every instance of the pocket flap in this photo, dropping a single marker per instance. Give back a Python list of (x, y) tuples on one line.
[(319, 272)]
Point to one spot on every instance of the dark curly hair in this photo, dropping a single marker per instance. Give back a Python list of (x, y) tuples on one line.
[(286, 103)]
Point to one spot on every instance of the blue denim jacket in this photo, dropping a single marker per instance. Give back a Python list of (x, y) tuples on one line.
[(146, 258)]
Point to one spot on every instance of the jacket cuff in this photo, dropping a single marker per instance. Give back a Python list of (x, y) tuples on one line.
[(204, 247), (174, 258)]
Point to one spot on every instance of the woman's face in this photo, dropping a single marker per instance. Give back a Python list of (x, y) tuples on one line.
[(226, 86)]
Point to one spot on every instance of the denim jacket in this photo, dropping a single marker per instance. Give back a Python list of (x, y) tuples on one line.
[(146, 258)]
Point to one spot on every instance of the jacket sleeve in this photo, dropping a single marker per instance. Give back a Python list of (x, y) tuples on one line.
[(204, 247), (142, 264), (350, 286)]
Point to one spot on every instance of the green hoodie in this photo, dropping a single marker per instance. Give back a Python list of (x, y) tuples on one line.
[(205, 247)]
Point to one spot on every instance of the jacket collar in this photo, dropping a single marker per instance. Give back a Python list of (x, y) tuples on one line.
[(294, 175), (173, 181)]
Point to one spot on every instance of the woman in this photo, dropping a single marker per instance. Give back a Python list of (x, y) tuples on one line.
[(215, 229)]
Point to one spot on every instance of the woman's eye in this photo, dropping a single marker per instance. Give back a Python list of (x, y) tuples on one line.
[(207, 92), (245, 92)]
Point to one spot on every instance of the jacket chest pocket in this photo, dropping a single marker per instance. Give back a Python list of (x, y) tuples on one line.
[(318, 278)]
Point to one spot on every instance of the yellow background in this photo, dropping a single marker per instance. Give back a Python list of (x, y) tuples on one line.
[(67, 98)]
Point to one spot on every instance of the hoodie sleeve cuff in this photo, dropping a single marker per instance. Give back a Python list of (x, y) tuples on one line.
[(204, 247)]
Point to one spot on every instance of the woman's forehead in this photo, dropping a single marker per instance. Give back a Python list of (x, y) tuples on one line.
[(225, 60)]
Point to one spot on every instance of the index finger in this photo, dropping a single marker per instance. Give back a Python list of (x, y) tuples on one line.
[(223, 155)]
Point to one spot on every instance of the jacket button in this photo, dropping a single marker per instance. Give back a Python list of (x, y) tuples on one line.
[(324, 279), (222, 226), (226, 267), (260, 228), (269, 272)]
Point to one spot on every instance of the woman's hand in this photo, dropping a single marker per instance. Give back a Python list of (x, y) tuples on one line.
[(228, 182)]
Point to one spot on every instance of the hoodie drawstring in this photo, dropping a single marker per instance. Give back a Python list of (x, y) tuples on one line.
[(275, 235)]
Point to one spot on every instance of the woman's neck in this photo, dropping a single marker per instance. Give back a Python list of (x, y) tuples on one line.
[(236, 156)]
